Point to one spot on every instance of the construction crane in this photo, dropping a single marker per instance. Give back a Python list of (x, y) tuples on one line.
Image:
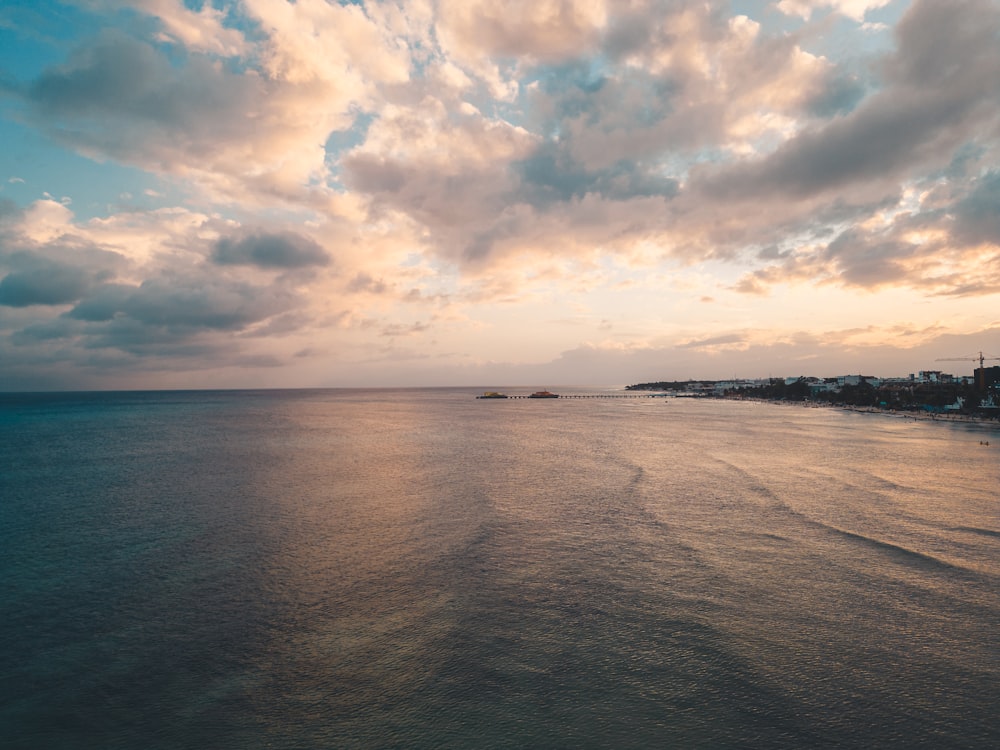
[(981, 359)]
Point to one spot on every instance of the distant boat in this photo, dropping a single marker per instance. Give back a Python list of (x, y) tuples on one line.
[(493, 394), (543, 394)]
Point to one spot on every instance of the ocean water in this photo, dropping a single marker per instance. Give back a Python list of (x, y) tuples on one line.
[(421, 569)]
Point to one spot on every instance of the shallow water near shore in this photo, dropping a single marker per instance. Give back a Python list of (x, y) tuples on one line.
[(418, 568)]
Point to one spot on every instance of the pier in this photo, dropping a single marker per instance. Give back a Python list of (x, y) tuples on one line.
[(582, 395)]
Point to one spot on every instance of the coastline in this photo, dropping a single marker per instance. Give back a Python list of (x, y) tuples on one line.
[(926, 416), (922, 416)]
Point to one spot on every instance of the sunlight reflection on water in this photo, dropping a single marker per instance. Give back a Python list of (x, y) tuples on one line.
[(369, 568)]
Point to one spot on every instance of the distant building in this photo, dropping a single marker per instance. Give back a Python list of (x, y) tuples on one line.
[(843, 380), (987, 378), (826, 385), (721, 386), (936, 376)]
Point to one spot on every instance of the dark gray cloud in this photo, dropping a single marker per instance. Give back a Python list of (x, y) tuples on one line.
[(452, 201), (372, 174), (141, 340), (592, 95), (170, 315), (867, 261), (127, 99), (59, 273), (285, 250), (552, 175), (930, 105), (47, 330), (948, 245), (177, 303), (48, 283), (186, 320), (103, 303), (883, 138), (963, 163), (9, 210), (606, 116), (118, 74), (948, 44), (977, 216), (626, 34), (191, 313), (839, 95)]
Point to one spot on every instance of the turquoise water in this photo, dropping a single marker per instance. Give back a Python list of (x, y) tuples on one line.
[(418, 568)]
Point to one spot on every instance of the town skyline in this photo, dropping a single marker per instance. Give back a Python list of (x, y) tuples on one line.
[(258, 193)]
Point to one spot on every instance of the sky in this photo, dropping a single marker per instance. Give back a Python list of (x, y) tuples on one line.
[(266, 193)]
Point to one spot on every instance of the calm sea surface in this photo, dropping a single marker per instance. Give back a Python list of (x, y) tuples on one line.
[(421, 569)]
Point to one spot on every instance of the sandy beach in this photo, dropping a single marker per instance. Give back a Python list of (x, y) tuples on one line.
[(916, 415)]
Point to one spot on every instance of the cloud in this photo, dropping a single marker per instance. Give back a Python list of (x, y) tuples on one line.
[(187, 322), (175, 303), (855, 9), (550, 175), (729, 340), (838, 95), (358, 167), (977, 215), (883, 139), (200, 30), (162, 301), (445, 173), (102, 303), (605, 141), (57, 273), (170, 305), (363, 282), (536, 29), (603, 135), (870, 262), (612, 157), (935, 99), (285, 250), (8, 210), (123, 98), (331, 43), (691, 78), (877, 350), (246, 130), (396, 329), (47, 283), (948, 243)]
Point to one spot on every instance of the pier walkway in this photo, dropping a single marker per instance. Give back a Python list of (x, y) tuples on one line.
[(581, 395)]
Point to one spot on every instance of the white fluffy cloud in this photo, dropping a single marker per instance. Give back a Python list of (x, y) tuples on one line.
[(855, 9)]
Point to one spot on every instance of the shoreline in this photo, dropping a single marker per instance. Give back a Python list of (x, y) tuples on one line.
[(921, 416), (926, 416)]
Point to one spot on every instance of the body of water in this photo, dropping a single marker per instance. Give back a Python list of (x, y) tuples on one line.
[(421, 569)]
